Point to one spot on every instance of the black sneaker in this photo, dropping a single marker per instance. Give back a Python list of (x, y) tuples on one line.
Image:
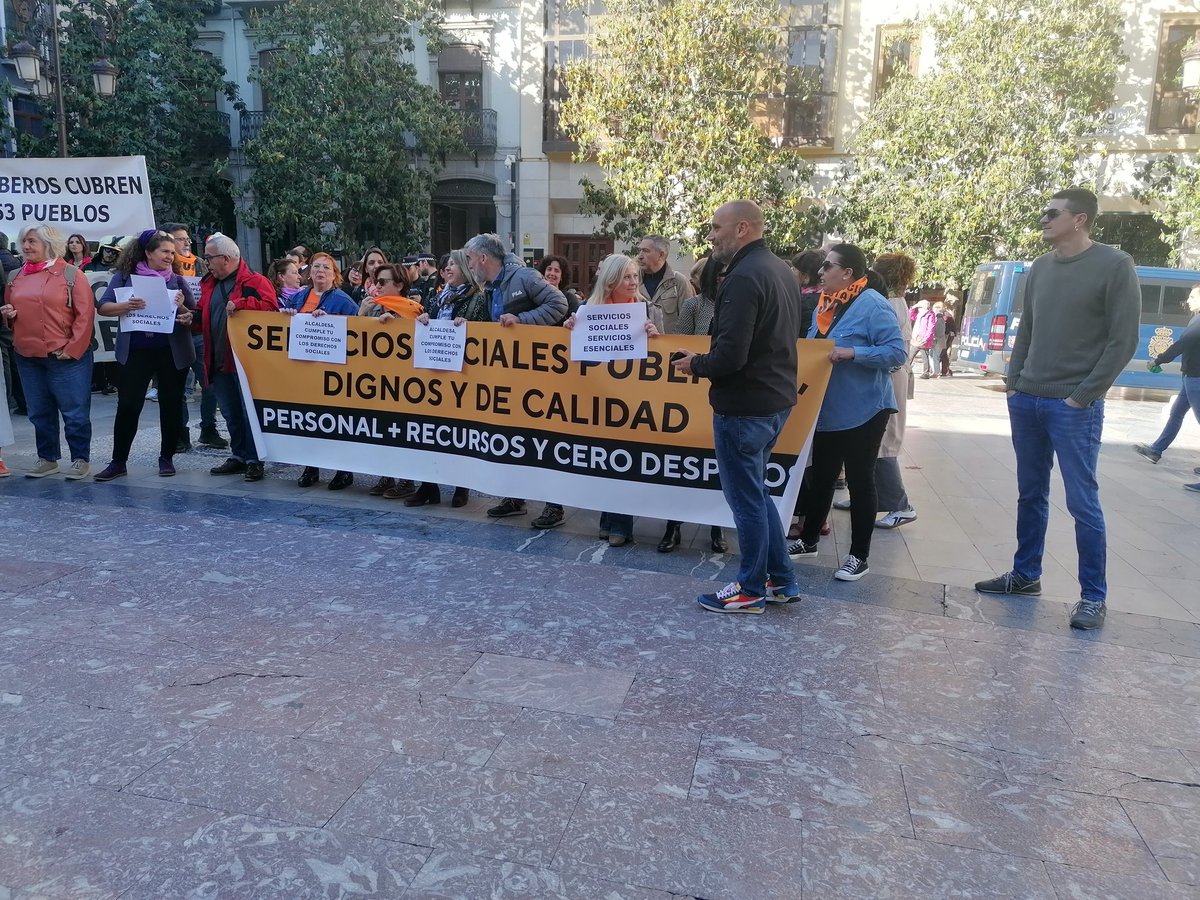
[(800, 550), (254, 472), (1087, 614), (551, 517), (507, 507), (852, 569), (1010, 583), (231, 466), (1147, 451)]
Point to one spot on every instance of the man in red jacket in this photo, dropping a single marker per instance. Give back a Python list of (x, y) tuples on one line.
[(230, 285)]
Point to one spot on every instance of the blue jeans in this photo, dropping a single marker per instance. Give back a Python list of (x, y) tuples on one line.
[(743, 445), (208, 400), (1042, 429), (58, 386), (1187, 398), (229, 398), (620, 524)]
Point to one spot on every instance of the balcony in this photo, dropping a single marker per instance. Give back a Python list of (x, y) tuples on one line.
[(479, 129), (795, 123), (251, 124), (215, 142)]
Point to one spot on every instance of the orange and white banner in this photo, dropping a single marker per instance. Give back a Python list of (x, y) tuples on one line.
[(519, 420)]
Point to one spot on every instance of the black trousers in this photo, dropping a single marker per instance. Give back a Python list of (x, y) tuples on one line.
[(856, 449), (134, 378)]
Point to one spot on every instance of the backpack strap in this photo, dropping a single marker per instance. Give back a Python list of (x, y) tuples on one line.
[(69, 274)]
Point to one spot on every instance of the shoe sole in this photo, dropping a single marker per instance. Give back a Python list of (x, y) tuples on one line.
[(1036, 593), (1088, 627), (897, 524), (74, 477), (541, 526), (166, 474), (508, 515), (100, 480), (806, 555), (749, 610), (42, 474), (1146, 456), (1194, 488), (780, 600), (846, 576)]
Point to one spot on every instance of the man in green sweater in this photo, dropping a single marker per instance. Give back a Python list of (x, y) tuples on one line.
[(1078, 329)]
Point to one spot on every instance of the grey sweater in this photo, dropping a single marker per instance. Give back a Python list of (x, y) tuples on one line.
[(1079, 325)]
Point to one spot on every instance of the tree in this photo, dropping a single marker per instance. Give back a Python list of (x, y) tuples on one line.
[(953, 166), (351, 137), (666, 108), (1171, 187), (164, 107)]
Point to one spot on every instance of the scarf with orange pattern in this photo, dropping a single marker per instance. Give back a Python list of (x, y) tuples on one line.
[(828, 306)]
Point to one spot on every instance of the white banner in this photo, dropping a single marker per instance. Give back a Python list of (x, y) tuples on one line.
[(92, 196)]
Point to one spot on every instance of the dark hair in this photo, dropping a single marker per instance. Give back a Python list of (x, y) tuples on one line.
[(305, 254), (362, 263), (876, 282), (852, 258), (898, 270), (544, 263), (133, 252), (398, 276), (808, 264), (709, 276), (276, 269), (1080, 200), (71, 259), (172, 227)]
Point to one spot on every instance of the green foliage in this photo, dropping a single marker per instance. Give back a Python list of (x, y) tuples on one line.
[(156, 112), (1171, 187), (666, 109), (345, 105), (953, 166)]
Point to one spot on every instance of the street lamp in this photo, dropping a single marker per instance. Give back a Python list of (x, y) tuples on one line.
[(1190, 79), (29, 61)]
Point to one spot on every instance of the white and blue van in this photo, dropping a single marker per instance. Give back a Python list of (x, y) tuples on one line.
[(997, 295)]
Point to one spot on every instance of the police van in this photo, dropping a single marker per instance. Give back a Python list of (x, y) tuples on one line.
[(997, 296)]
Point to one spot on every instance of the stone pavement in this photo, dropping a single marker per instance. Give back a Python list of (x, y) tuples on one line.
[(213, 689)]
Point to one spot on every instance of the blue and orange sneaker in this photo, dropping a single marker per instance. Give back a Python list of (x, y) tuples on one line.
[(730, 599), (783, 593)]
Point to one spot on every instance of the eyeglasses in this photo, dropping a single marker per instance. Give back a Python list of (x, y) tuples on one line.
[(385, 281), (182, 240), (207, 258)]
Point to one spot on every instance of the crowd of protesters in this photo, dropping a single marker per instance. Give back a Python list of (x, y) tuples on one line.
[(49, 306)]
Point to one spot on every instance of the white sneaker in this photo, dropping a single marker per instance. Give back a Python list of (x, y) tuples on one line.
[(897, 518), (852, 569), (79, 468), (842, 504)]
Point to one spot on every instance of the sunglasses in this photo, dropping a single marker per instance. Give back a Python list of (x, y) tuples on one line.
[(385, 281), (827, 265), (1052, 213)]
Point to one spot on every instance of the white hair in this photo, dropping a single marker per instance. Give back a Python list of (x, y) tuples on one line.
[(54, 240), (489, 244), (661, 244), (226, 246)]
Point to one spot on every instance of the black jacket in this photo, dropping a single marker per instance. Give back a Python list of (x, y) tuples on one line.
[(1188, 346), (752, 363)]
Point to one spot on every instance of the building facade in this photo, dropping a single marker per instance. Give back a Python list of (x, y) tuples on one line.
[(503, 64)]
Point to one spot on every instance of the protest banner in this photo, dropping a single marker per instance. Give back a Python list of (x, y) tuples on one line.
[(629, 436), (94, 196)]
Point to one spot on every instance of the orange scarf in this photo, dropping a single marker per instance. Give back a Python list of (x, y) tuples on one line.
[(829, 303), (404, 307), (312, 301)]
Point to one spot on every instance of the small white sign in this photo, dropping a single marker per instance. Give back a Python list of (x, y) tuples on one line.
[(317, 338), (193, 283), (609, 331), (439, 345), (159, 313)]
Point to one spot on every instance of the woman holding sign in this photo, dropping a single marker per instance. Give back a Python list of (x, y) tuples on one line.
[(142, 355), (322, 298), (51, 310), (617, 281)]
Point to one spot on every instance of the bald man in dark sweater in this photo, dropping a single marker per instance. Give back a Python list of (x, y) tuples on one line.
[(1078, 329)]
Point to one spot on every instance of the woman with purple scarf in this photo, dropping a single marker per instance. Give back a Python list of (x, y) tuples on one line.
[(143, 355)]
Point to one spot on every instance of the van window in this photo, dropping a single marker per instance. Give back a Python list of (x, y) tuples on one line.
[(982, 295), (1175, 310), (1151, 299)]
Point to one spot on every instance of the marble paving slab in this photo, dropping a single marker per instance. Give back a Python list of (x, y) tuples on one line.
[(490, 812), (302, 782), (545, 685)]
